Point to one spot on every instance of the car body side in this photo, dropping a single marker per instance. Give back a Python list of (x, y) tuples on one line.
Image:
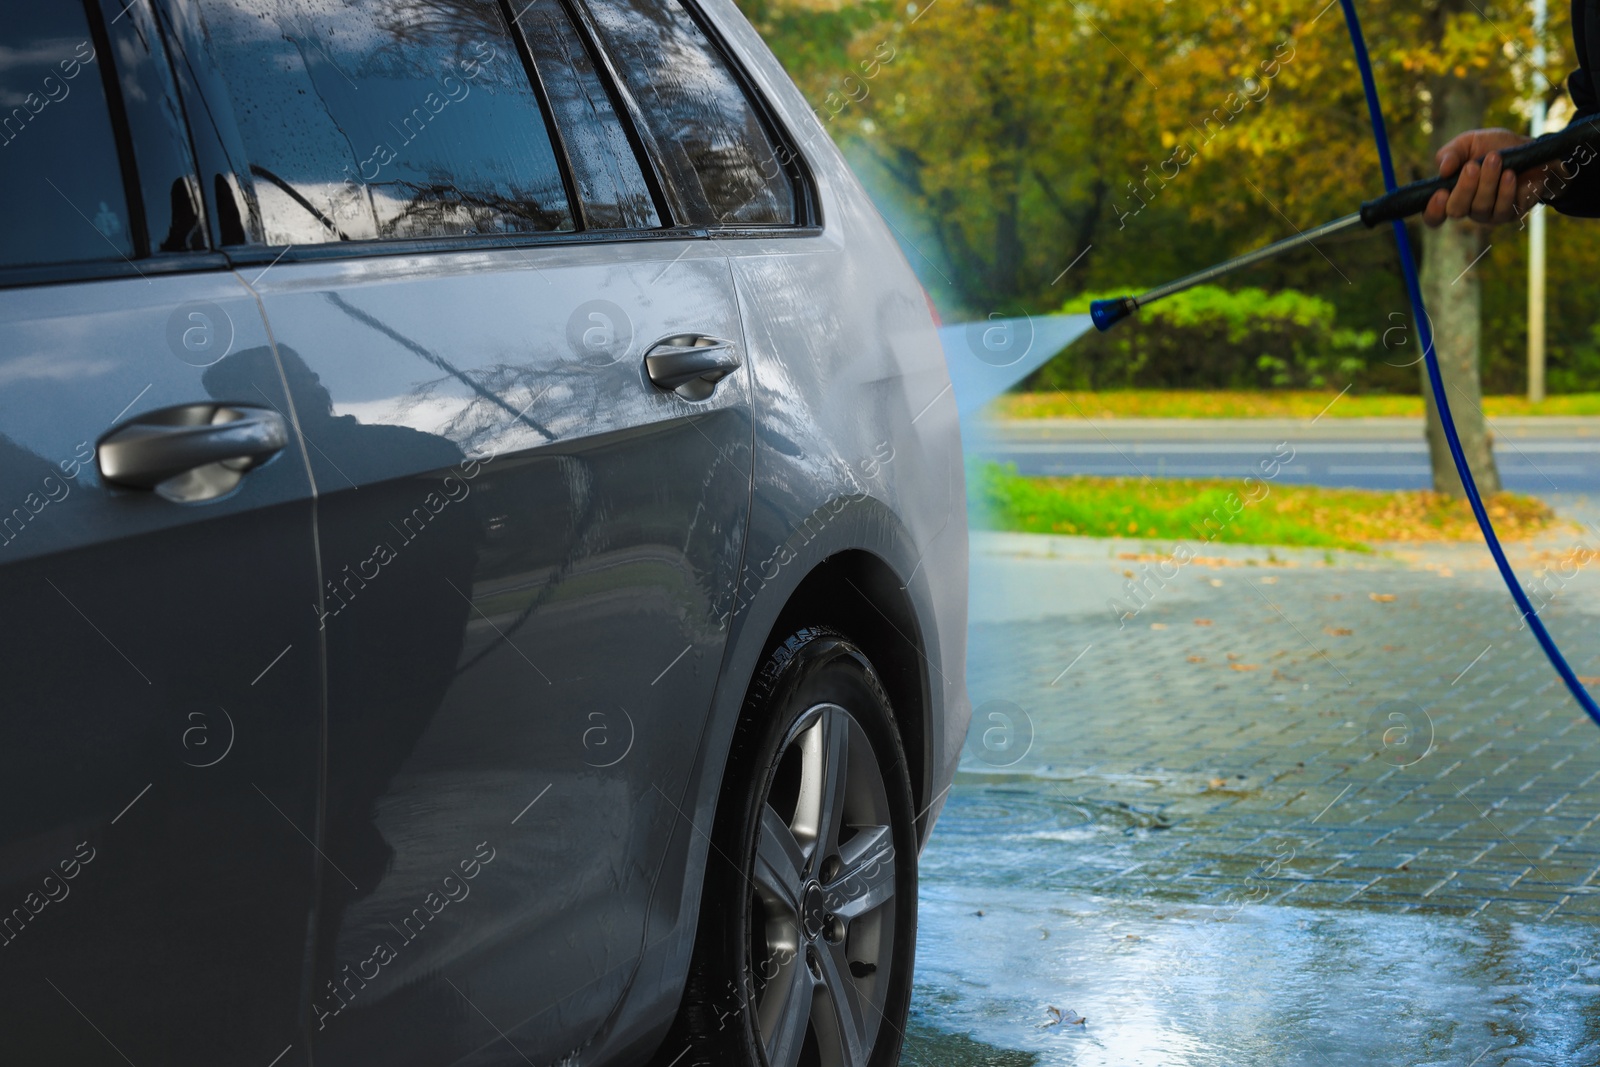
[(859, 513), (856, 518)]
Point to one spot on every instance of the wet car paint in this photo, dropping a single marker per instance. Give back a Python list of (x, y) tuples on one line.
[(470, 768), (554, 530), (163, 679)]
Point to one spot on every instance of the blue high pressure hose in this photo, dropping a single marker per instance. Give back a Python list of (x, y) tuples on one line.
[(1408, 267)]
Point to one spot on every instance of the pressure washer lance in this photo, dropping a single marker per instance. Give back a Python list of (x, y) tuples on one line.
[(1404, 202)]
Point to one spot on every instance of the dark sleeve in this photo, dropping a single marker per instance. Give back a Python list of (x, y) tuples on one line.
[(1581, 196)]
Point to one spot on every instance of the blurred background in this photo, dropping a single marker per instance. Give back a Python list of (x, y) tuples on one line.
[(1007, 140)]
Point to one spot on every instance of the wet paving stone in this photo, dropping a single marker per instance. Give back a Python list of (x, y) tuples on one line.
[(1312, 814)]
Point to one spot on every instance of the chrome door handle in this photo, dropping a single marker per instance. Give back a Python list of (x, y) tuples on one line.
[(160, 445), (691, 365)]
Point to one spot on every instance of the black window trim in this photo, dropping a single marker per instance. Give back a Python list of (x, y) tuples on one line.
[(558, 141), (111, 269), (609, 84), (144, 18), (628, 113), (132, 191)]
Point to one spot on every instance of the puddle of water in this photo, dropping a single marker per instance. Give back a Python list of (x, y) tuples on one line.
[(1186, 985)]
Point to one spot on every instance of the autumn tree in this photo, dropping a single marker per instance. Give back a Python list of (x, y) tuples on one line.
[(1137, 142)]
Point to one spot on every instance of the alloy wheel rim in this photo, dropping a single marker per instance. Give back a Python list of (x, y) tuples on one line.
[(822, 922)]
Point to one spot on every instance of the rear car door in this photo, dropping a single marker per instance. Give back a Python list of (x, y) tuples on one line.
[(160, 655), (522, 392)]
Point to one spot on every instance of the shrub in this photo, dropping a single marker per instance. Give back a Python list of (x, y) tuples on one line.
[(1214, 338), (1578, 368)]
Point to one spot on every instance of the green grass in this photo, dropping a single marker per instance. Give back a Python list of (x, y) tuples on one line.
[(1232, 404), (1227, 511)]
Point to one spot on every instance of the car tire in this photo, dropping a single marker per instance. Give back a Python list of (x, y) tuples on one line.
[(807, 934)]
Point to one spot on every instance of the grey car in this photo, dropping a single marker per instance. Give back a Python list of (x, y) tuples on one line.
[(482, 544)]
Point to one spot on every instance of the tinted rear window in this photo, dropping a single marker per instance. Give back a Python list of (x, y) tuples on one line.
[(377, 119), (723, 167)]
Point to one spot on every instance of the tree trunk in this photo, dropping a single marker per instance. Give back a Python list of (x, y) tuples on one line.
[(1453, 294)]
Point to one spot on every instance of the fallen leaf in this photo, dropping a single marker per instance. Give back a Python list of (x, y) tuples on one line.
[(1391, 648), (1217, 783), (1337, 631), (1589, 679), (1202, 622), (1158, 626), (1234, 655), (1058, 1016), (1197, 659), (1244, 666), (1382, 598), (1215, 582)]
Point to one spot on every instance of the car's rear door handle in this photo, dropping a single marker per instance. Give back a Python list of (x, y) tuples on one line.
[(691, 365), (151, 448)]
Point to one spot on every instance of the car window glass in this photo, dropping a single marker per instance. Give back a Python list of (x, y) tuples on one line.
[(611, 186), (382, 119), (171, 198), (722, 165), (61, 192)]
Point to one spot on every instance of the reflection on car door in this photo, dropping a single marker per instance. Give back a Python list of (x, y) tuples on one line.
[(525, 549), (162, 674), (524, 538)]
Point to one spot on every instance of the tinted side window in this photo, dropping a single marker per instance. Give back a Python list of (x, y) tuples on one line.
[(611, 186), (386, 119), (61, 192), (722, 165)]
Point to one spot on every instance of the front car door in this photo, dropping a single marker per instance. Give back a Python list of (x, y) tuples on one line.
[(527, 542), (162, 671)]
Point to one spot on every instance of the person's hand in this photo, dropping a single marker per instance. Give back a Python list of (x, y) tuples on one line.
[(1485, 192)]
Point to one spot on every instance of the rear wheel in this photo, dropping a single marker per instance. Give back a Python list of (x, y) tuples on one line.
[(808, 924)]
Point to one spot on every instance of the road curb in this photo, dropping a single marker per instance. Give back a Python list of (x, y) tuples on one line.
[(1019, 431)]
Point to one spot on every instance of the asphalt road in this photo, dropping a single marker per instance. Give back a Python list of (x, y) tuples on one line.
[(1537, 456)]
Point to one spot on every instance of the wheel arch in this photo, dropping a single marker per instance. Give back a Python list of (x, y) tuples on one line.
[(859, 595)]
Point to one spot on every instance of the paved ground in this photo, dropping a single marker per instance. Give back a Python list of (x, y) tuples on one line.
[(1535, 455), (1294, 811)]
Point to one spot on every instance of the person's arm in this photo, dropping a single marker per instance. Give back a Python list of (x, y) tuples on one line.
[(1487, 193), (1579, 189)]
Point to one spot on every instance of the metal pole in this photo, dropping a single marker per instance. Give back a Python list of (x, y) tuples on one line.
[(1536, 222), (1304, 237)]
